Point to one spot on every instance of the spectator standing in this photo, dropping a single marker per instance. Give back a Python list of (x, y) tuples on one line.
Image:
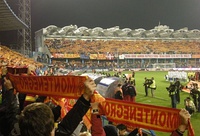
[(131, 91), (153, 86), (198, 102), (145, 84), (122, 129), (172, 94), (189, 105), (37, 119), (124, 88), (178, 87), (118, 92), (132, 78), (194, 93)]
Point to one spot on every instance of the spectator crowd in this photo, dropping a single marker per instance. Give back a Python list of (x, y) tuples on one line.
[(39, 117)]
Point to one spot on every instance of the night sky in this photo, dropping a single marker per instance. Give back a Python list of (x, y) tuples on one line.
[(123, 13), (132, 14)]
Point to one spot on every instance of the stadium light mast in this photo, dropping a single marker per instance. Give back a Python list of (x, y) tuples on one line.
[(24, 35)]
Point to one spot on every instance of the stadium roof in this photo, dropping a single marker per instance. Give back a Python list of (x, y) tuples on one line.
[(8, 19), (158, 32)]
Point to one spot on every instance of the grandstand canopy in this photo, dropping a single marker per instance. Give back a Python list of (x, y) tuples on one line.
[(158, 32), (8, 19)]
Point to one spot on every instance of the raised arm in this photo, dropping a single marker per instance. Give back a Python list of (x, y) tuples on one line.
[(75, 115)]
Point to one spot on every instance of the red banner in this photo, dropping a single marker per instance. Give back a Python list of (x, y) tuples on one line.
[(197, 56), (131, 114), (58, 55), (101, 57), (60, 86), (146, 116), (141, 115)]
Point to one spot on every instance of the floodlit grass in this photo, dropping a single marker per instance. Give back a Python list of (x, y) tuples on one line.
[(161, 95)]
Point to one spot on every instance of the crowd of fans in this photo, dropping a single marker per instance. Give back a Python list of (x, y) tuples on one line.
[(38, 118), (9, 57), (115, 46)]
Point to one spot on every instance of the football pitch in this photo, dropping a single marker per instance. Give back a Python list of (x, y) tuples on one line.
[(161, 95)]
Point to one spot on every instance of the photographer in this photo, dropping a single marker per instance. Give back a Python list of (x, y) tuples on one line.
[(178, 89), (146, 84), (194, 93), (153, 86), (189, 105), (198, 108), (172, 93)]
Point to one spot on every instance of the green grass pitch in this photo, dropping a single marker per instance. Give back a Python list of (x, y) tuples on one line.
[(161, 95)]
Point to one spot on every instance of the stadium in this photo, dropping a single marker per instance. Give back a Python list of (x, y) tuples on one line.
[(80, 50), (159, 48)]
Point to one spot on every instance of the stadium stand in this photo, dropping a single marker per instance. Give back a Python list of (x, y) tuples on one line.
[(8, 19), (9, 57), (161, 39), (112, 47), (102, 46)]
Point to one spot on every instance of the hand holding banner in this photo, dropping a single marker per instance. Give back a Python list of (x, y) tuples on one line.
[(59, 86), (131, 114)]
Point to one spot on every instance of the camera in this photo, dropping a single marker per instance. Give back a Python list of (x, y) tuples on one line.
[(171, 88), (148, 82)]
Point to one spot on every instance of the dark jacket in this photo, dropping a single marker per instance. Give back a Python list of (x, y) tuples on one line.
[(131, 90), (8, 111), (70, 122), (176, 133), (110, 130)]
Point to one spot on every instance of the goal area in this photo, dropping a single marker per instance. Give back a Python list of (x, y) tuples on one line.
[(163, 66)]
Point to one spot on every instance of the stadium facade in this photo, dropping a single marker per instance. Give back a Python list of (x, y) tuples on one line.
[(158, 48)]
